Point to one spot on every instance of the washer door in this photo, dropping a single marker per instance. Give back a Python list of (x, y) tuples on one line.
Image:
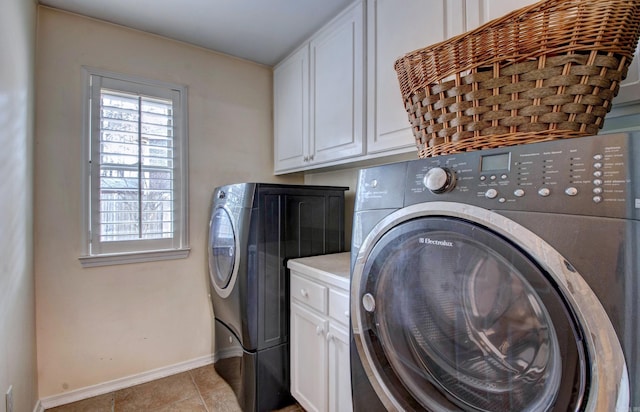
[(223, 257), (450, 314)]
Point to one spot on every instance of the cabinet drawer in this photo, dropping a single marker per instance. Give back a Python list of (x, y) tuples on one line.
[(308, 292), (339, 306)]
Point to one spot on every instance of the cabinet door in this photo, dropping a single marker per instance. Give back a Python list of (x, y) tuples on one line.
[(392, 32), (291, 111), (308, 358), (493, 9), (339, 370), (337, 83)]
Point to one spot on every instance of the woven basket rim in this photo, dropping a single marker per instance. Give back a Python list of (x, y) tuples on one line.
[(403, 64), (549, 68)]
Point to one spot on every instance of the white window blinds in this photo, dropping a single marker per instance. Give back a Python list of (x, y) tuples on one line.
[(137, 167)]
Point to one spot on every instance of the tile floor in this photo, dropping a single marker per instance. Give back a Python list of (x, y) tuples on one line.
[(197, 390)]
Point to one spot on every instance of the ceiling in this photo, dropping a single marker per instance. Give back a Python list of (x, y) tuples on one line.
[(263, 31)]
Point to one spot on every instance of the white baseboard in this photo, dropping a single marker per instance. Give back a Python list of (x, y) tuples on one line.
[(38, 407), (121, 383)]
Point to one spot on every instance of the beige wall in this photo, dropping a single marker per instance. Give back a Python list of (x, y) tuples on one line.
[(344, 177), (100, 324), (348, 176), (17, 317)]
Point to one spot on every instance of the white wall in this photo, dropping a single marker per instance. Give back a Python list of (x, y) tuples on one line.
[(100, 324), (17, 317)]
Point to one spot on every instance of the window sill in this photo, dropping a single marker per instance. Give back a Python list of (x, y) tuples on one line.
[(135, 257)]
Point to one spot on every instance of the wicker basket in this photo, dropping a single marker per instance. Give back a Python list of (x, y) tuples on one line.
[(543, 72)]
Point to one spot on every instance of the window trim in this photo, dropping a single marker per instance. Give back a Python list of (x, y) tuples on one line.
[(181, 249)]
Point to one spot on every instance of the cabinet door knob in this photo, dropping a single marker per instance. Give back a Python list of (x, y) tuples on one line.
[(346, 313), (304, 293), (330, 337), (319, 330)]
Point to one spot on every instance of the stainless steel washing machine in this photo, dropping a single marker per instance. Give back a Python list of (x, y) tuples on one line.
[(254, 229), (499, 280)]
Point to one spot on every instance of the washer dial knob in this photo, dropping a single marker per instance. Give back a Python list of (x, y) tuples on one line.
[(439, 180)]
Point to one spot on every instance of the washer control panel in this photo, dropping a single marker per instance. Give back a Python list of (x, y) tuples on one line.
[(594, 175)]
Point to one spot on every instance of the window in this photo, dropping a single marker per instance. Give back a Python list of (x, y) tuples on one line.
[(136, 170)]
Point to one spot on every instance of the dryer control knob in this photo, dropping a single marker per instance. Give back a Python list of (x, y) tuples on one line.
[(439, 180)]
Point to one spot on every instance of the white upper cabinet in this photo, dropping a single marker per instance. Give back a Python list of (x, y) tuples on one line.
[(486, 10), (393, 31), (332, 105), (319, 97), (337, 88), (291, 110)]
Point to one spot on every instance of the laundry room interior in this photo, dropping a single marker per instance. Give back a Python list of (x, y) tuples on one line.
[(348, 206)]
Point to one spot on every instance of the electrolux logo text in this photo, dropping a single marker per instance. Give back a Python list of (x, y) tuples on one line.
[(429, 241)]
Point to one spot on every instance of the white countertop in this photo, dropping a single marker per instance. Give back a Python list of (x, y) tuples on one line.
[(334, 268)]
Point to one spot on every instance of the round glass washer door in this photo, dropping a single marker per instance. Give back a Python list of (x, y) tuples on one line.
[(223, 245), (455, 317)]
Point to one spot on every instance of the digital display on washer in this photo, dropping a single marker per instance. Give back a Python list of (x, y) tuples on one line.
[(490, 163)]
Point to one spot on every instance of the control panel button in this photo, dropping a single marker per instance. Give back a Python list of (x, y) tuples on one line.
[(503, 177), (439, 180), (597, 182), (571, 191), (597, 165), (518, 193), (483, 178), (502, 200), (598, 156), (597, 173), (597, 190), (597, 199), (491, 194), (544, 192)]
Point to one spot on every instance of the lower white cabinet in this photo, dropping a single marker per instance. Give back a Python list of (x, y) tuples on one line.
[(320, 373), (309, 364), (339, 373)]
